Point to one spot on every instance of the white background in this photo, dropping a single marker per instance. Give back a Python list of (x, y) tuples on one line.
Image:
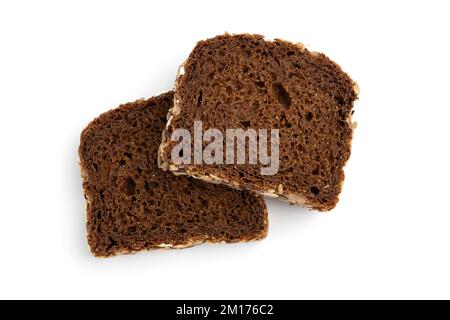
[(62, 63)]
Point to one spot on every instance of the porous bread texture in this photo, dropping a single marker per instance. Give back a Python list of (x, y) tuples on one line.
[(132, 205), (318, 109)]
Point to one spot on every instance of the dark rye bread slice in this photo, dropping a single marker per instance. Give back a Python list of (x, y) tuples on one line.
[(133, 205), (244, 81)]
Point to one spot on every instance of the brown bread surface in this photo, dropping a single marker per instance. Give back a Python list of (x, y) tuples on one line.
[(132, 205), (244, 81)]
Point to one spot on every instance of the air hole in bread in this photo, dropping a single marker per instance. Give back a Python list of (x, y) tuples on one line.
[(158, 212), (246, 124), (128, 155), (260, 84), (130, 186), (200, 98), (340, 100), (282, 95), (315, 190), (112, 243)]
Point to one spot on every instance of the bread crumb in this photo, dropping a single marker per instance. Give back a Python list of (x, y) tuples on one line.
[(356, 88), (280, 188)]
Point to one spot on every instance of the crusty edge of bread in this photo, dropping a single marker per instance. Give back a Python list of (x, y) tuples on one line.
[(163, 246), (175, 110), (273, 193)]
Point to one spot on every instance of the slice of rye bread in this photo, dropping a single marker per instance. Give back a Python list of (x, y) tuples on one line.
[(244, 81), (132, 205)]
